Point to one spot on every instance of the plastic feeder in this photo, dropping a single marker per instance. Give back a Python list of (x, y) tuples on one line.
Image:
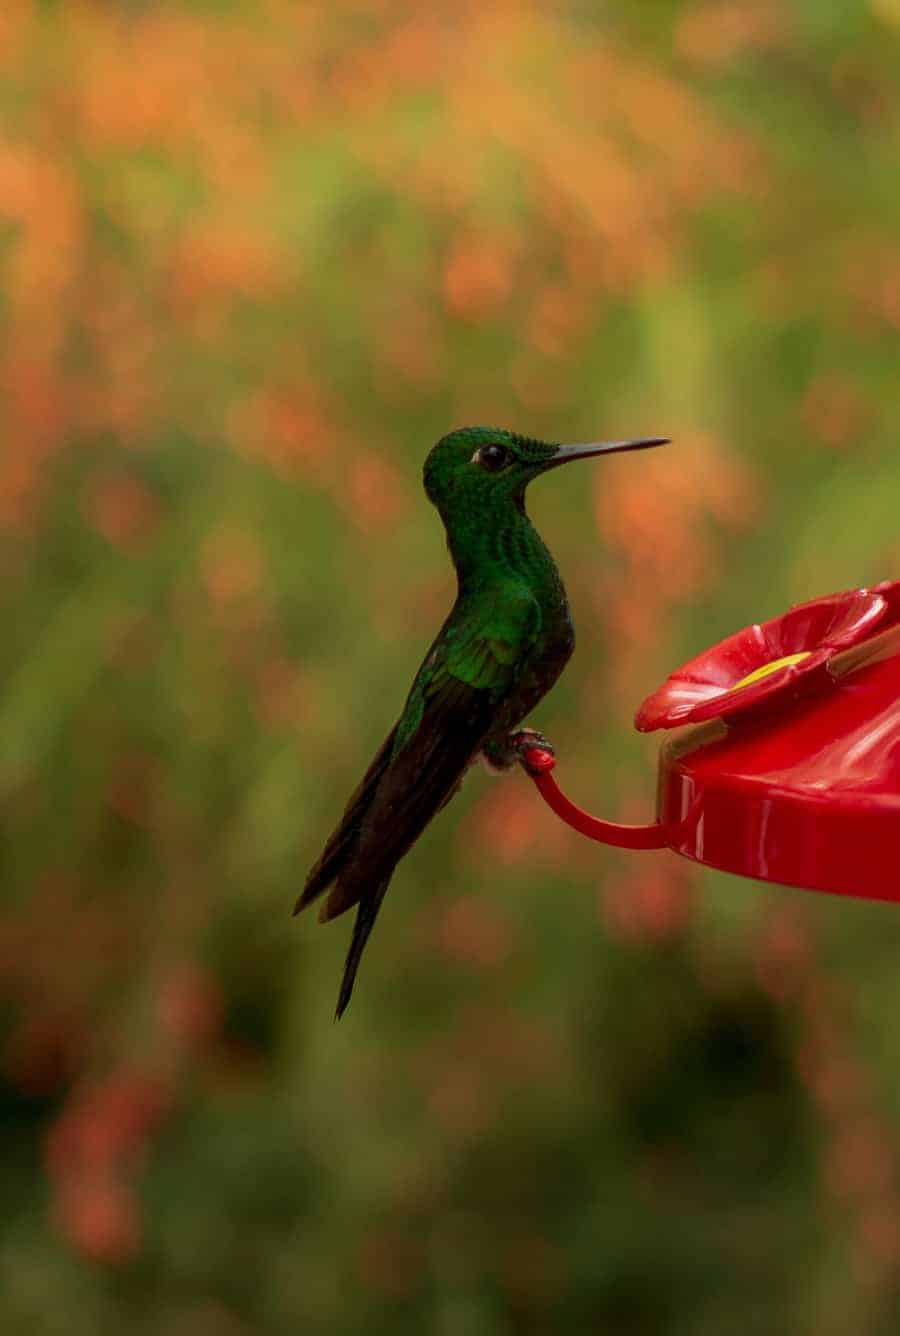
[(789, 767)]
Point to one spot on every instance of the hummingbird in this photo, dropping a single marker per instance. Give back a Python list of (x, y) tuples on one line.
[(505, 642)]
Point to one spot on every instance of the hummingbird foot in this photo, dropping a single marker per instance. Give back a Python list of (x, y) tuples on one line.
[(535, 752), (523, 739), (501, 754)]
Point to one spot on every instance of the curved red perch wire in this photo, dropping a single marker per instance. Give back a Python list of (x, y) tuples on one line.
[(538, 763)]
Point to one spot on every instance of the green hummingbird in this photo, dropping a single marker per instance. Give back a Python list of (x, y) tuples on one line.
[(507, 639)]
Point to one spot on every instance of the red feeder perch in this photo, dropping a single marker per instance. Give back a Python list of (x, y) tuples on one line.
[(793, 775)]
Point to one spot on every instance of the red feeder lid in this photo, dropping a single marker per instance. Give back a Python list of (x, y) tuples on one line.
[(806, 795)]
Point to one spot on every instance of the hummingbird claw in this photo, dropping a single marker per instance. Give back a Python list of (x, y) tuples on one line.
[(525, 738), (535, 753), (526, 746)]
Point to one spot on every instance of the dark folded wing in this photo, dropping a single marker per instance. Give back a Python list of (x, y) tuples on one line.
[(341, 843), (450, 711)]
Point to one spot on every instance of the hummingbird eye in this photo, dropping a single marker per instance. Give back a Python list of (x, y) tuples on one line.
[(493, 457)]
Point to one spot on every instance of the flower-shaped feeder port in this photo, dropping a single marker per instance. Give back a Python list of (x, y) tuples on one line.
[(794, 774), (777, 659)]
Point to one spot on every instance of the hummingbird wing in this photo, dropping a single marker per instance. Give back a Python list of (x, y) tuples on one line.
[(471, 668), (452, 706), (340, 845)]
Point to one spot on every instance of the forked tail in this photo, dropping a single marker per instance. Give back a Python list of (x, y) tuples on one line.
[(366, 915)]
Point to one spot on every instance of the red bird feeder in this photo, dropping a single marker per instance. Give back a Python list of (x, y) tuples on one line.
[(793, 774)]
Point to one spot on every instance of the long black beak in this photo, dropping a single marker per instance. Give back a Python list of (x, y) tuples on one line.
[(565, 453)]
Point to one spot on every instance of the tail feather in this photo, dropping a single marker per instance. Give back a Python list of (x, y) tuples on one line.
[(366, 915), (341, 897), (340, 847)]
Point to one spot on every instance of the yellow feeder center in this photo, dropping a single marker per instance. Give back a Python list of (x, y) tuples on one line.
[(769, 668)]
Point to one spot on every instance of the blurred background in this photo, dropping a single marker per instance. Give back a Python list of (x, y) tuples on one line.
[(256, 258)]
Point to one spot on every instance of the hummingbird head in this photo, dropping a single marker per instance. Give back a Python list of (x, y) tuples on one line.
[(480, 463)]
